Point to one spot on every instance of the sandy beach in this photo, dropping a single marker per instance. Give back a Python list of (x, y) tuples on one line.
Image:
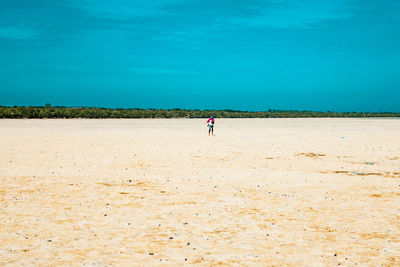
[(149, 192)]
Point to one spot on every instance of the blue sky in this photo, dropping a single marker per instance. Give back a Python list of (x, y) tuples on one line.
[(338, 55)]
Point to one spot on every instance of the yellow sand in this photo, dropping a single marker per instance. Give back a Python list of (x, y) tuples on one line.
[(262, 192)]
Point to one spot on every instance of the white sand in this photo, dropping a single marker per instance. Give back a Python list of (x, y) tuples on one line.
[(109, 192)]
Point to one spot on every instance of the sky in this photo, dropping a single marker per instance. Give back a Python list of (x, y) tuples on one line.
[(323, 55)]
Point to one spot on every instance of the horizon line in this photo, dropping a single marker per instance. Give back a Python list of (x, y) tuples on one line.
[(207, 109)]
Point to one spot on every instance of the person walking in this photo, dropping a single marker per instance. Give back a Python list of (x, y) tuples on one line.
[(210, 123)]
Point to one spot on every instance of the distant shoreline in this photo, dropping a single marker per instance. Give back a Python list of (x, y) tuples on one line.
[(60, 112)]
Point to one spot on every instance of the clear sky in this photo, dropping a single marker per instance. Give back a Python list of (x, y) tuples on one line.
[(338, 55)]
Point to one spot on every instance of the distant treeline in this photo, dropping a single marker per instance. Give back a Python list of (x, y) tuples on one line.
[(49, 111)]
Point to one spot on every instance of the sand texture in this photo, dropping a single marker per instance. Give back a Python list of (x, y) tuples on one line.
[(262, 192)]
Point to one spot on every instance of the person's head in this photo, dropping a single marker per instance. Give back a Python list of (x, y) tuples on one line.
[(212, 117)]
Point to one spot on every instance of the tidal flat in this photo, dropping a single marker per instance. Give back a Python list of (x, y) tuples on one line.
[(149, 192)]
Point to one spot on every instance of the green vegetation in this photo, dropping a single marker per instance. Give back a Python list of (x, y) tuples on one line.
[(99, 113)]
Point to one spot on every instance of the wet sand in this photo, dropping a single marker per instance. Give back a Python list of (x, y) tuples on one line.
[(262, 192)]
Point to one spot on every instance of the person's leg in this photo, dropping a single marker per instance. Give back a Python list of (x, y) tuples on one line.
[(209, 130), (212, 130)]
